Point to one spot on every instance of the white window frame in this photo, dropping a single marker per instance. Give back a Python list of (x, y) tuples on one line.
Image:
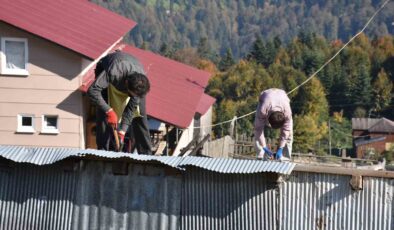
[(49, 129), (25, 129), (7, 71)]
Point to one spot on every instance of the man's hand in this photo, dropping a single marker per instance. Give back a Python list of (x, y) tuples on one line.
[(268, 152), (279, 153), (121, 135), (112, 118)]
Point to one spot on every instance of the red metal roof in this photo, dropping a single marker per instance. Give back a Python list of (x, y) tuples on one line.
[(176, 88), (206, 101), (81, 26)]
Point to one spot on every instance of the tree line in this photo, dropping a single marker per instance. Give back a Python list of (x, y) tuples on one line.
[(233, 24), (357, 83)]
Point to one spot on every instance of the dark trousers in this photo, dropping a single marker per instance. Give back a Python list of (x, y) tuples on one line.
[(138, 131)]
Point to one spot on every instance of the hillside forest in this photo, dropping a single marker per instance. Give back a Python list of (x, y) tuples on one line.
[(357, 83)]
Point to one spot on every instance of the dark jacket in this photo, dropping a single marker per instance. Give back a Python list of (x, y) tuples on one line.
[(114, 69)]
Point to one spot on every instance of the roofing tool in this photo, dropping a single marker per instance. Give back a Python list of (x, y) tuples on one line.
[(117, 144)]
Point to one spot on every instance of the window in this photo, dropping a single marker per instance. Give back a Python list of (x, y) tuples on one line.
[(14, 56), (25, 123), (50, 124)]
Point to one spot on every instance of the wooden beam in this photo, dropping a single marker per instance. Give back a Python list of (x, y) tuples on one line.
[(343, 171)]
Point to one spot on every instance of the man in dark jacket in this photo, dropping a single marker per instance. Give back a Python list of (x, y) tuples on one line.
[(119, 92)]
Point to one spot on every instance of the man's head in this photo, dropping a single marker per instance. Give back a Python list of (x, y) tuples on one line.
[(138, 85), (276, 119)]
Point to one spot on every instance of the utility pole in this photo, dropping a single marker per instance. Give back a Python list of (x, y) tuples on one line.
[(329, 136)]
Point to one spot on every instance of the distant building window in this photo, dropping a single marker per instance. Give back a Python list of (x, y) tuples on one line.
[(25, 123), (14, 56), (50, 124)]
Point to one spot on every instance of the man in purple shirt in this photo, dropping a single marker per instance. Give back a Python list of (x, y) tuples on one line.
[(274, 111)]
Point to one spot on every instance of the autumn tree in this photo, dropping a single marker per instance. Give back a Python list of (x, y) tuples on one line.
[(382, 88)]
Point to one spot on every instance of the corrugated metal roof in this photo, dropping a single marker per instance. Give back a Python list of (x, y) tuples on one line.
[(226, 165), (176, 88), (206, 101), (359, 142), (81, 26), (44, 156)]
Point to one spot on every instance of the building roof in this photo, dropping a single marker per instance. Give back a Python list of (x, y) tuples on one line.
[(81, 26), (205, 103), (363, 123), (365, 141), (373, 125), (176, 88), (382, 126), (47, 155)]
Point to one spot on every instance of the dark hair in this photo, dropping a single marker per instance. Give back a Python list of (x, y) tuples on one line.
[(276, 119), (139, 84)]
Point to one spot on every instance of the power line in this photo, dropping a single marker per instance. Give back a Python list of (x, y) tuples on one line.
[(314, 74)]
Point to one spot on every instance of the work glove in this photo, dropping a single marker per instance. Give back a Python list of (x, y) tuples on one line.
[(112, 118), (279, 153), (268, 152), (121, 135)]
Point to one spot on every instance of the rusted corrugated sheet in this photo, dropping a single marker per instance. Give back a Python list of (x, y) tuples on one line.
[(228, 201), (327, 201)]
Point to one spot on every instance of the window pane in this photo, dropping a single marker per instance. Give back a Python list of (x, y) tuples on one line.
[(15, 54), (51, 121), (27, 121)]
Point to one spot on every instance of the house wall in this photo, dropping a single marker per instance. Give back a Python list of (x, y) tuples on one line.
[(51, 88), (206, 123), (379, 146), (185, 138)]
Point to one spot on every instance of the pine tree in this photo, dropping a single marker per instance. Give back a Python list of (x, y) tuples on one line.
[(227, 61), (257, 51)]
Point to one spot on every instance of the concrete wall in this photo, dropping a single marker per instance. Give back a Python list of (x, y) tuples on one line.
[(223, 147), (51, 88)]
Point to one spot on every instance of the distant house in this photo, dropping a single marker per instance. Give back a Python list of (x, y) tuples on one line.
[(372, 136), (48, 52)]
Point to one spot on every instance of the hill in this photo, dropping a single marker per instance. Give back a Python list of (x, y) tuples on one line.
[(234, 24)]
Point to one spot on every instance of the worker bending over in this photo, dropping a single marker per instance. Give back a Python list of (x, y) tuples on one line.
[(119, 92), (274, 111)]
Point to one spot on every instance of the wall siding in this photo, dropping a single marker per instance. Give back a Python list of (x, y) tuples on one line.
[(50, 89)]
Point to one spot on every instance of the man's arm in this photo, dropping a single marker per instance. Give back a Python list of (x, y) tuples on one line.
[(128, 113), (95, 90), (259, 124)]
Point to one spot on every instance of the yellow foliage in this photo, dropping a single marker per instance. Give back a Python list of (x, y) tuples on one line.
[(338, 116)]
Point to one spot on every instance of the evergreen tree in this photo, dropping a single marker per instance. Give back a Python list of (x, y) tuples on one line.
[(257, 51), (227, 61)]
